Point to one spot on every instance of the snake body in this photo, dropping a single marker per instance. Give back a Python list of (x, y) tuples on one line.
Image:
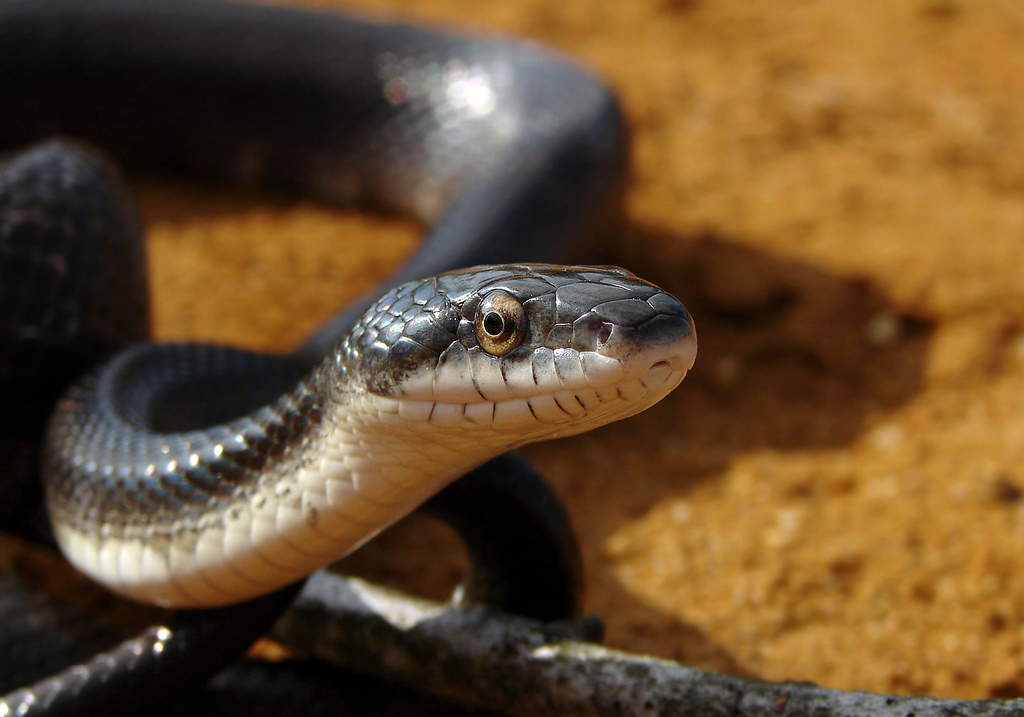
[(504, 150), (191, 475)]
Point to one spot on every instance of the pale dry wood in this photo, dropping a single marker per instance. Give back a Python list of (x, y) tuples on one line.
[(484, 659)]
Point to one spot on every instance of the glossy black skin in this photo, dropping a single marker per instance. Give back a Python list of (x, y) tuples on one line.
[(299, 101), (292, 100)]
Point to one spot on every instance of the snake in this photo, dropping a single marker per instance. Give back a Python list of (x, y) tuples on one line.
[(439, 376), (201, 476)]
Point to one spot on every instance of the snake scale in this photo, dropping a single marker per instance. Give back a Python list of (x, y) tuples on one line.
[(201, 476)]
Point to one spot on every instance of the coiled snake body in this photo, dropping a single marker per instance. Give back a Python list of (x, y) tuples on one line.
[(197, 476)]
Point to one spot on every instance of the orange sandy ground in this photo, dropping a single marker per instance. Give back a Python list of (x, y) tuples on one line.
[(836, 190)]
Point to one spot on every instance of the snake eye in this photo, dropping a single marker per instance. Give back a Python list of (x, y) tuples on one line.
[(500, 323)]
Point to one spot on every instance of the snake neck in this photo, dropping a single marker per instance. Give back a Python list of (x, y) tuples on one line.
[(284, 489)]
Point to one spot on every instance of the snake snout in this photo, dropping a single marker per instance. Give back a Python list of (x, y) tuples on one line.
[(669, 339), (643, 334)]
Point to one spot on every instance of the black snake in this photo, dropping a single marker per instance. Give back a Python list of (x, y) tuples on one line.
[(198, 476)]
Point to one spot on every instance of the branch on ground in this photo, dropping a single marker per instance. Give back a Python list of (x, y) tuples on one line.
[(484, 659)]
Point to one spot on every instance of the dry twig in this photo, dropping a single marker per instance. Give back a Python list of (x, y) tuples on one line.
[(484, 659)]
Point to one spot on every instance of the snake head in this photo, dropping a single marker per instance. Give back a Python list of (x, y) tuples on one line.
[(531, 351)]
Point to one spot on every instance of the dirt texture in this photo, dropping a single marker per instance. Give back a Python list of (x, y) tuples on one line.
[(836, 191)]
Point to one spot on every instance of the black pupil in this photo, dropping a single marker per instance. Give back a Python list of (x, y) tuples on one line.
[(493, 323)]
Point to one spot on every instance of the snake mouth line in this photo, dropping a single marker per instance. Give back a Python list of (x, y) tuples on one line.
[(568, 408), (671, 364)]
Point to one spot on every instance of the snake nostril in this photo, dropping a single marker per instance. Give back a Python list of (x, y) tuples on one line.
[(603, 334)]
